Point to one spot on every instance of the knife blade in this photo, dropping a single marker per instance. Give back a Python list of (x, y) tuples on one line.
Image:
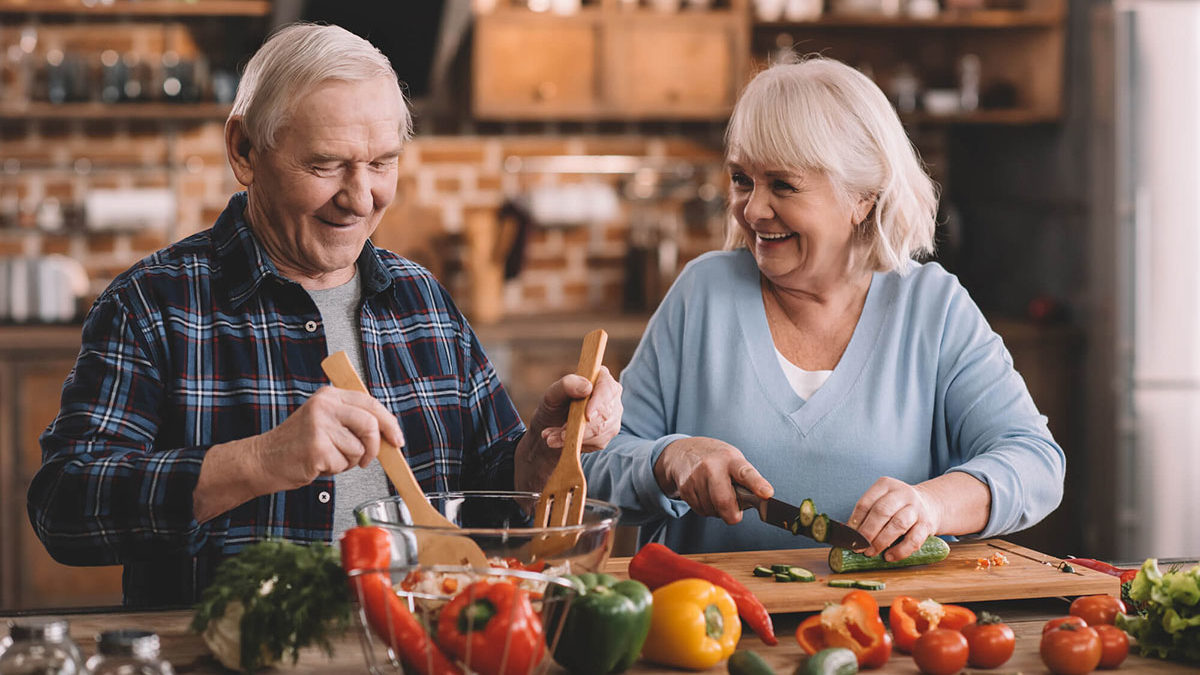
[(781, 514)]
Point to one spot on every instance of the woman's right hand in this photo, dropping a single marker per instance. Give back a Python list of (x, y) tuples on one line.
[(701, 471)]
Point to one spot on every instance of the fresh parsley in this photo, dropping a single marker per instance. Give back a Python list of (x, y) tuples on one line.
[(293, 595)]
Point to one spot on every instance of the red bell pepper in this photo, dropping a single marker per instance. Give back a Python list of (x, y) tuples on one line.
[(911, 618), (855, 624), (656, 565), (492, 627), (368, 550)]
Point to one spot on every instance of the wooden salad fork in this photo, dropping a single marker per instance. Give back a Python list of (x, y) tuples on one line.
[(432, 548), (562, 500)]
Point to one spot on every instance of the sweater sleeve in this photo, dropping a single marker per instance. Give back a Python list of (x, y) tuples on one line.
[(992, 424), (623, 473), (104, 494)]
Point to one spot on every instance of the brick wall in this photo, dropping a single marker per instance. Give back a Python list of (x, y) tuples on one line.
[(444, 180)]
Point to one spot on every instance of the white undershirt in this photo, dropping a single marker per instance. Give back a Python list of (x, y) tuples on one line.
[(804, 382)]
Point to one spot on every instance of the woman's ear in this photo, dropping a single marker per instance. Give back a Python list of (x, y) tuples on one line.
[(864, 208), (239, 150)]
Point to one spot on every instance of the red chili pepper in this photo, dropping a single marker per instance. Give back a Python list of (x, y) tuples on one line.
[(855, 624), (656, 565), (1128, 576), (369, 548), (1098, 565), (493, 628), (911, 618)]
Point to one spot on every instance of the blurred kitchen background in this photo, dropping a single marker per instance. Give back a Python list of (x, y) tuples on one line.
[(567, 164)]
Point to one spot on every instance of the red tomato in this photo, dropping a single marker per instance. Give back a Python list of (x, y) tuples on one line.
[(1055, 623), (941, 651), (1071, 650), (1097, 610), (1114, 645), (991, 643)]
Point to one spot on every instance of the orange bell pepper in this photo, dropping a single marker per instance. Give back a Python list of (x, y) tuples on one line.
[(855, 624), (911, 618)]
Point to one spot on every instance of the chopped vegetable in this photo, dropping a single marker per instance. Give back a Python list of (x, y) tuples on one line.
[(761, 571), (1169, 627), (911, 618), (994, 560), (854, 624), (656, 565)]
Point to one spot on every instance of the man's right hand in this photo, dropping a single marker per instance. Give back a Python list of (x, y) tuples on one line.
[(334, 430), (701, 471)]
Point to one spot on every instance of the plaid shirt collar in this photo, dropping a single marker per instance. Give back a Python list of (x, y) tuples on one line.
[(243, 264)]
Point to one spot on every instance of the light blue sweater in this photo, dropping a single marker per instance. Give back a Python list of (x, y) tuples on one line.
[(924, 387)]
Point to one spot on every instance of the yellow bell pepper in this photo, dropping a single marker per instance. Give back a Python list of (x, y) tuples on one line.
[(694, 624)]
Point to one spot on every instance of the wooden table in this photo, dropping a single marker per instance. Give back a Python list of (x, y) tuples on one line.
[(188, 654)]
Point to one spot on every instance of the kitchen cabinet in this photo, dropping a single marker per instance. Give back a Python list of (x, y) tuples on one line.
[(34, 361), (609, 61), (1020, 56)]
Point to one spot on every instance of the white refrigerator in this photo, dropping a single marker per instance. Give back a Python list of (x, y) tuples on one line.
[(1156, 129)]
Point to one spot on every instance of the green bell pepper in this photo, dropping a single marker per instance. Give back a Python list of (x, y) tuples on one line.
[(605, 626)]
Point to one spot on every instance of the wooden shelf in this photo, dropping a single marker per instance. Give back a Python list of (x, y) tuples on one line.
[(115, 111), (151, 8), (982, 19), (1013, 116)]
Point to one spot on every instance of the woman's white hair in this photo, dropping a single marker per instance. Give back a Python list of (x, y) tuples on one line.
[(818, 114), (293, 61)]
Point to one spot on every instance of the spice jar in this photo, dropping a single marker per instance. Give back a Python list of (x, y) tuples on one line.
[(41, 647), (128, 652)]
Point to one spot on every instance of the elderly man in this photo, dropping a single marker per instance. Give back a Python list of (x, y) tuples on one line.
[(197, 418)]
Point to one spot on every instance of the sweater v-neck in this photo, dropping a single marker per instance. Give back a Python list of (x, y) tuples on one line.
[(756, 335)]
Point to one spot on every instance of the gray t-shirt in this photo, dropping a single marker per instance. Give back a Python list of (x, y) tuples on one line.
[(339, 312)]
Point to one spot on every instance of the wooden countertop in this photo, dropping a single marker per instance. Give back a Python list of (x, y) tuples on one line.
[(187, 653)]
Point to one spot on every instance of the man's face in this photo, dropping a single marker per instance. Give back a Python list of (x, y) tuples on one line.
[(318, 195)]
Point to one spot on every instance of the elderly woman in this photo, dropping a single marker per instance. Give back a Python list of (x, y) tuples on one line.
[(815, 358)]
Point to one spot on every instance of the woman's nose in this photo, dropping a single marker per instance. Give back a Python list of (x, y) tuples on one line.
[(758, 206)]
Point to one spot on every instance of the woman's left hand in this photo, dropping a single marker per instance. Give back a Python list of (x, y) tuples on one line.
[(894, 511)]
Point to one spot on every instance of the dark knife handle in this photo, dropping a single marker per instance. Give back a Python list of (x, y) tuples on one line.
[(748, 500)]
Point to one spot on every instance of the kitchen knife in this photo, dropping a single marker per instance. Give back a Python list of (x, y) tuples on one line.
[(782, 514)]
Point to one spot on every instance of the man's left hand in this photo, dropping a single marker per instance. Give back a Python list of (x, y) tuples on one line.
[(539, 449)]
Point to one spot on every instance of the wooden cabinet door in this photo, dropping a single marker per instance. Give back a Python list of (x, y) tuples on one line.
[(676, 69), (31, 397), (535, 67)]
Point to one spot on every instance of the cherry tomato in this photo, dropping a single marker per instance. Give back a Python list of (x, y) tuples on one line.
[(991, 642), (941, 651), (1055, 623), (1097, 610), (1071, 650), (1114, 645)]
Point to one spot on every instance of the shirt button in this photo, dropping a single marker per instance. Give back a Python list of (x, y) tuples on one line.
[(323, 497), (311, 326)]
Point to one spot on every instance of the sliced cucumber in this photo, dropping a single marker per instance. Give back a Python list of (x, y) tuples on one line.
[(779, 569), (808, 511), (870, 585), (800, 574), (844, 560), (761, 571), (820, 527), (784, 577), (842, 583)]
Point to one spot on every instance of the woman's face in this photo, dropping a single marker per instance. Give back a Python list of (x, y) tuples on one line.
[(799, 229)]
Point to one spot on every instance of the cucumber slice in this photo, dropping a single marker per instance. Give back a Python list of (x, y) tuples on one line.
[(870, 585), (784, 577), (761, 571), (842, 583), (820, 527), (808, 511), (780, 569), (801, 574)]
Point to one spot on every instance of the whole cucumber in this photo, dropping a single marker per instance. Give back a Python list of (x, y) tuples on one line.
[(746, 662), (830, 661), (845, 560)]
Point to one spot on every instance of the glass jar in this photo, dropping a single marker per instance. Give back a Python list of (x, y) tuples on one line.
[(41, 647), (128, 652)]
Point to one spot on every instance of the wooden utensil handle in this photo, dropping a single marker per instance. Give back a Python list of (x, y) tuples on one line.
[(590, 359)]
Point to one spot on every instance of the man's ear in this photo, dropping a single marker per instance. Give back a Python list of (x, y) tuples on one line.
[(239, 151)]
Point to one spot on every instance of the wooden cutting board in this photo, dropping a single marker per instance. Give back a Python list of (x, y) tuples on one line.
[(954, 579)]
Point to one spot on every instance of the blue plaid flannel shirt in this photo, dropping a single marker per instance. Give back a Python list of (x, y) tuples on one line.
[(203, 343)]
